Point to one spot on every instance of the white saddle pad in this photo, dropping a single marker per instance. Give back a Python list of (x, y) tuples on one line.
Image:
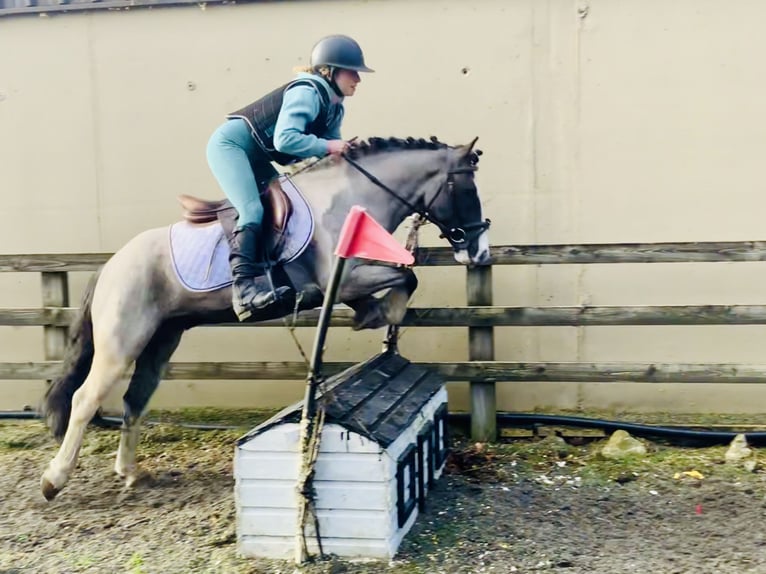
[(201, 253)]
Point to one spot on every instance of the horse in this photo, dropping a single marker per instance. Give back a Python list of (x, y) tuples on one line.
[(135, 309)]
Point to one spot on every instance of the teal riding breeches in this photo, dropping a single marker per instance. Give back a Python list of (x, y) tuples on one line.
[(241, 168)]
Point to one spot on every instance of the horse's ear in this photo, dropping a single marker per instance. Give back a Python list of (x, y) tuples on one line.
[(467, 149), (466, 152)]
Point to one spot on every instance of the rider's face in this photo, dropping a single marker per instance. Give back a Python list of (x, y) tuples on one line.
[(347, 81)]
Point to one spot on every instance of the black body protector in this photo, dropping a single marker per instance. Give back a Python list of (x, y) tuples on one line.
[(262, 116)]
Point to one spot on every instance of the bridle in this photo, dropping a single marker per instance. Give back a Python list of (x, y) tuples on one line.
[(457, 236)]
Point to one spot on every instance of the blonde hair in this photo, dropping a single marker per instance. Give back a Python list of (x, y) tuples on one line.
[(323, 71)]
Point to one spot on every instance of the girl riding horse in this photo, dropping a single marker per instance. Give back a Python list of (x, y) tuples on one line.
[(298, 120)]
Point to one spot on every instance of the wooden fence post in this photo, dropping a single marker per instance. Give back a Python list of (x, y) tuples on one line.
[(55, 294), (481, 347)]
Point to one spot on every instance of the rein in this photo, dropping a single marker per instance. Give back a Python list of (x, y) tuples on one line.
[(455, 235)]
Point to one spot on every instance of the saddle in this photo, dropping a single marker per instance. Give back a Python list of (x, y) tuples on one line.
[(276, 205)]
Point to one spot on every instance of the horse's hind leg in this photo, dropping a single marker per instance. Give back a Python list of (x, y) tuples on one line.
[(116, 344), (106, 370), (143, 383)]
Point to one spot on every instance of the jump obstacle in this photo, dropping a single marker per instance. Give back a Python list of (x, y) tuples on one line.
[(348, 470)]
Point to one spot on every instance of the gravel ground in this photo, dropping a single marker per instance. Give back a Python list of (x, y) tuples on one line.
[(521, 506)]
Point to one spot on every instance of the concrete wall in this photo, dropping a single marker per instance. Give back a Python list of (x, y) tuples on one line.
[(601, 121)]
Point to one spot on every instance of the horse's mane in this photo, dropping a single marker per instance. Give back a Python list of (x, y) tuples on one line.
[(377, 145)]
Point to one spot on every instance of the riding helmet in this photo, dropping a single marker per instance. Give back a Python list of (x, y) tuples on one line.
[(339, 51)]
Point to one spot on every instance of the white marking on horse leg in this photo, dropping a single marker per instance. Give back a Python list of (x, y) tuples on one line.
[(394, 305), (104, 372), (146, 376), (125, 465)]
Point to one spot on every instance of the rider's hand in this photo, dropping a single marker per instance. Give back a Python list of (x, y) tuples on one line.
[(337, 147)]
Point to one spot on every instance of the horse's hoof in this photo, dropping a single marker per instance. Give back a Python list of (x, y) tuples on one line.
[(133, 475), (139, 477), (49, 491)]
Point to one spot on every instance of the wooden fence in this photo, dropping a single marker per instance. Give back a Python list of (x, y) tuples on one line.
[(480, 317)]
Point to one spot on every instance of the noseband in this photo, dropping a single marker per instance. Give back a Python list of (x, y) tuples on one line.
[(457, 236)]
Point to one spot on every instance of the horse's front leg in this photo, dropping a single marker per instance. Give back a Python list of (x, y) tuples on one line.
[(372, 312)]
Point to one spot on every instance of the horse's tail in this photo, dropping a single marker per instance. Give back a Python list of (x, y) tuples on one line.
[(78, 357)]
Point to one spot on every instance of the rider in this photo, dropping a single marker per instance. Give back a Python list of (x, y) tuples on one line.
[(299, 119)]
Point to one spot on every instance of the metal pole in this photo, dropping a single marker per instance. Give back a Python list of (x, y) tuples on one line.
[(308, 415), (315, 365)]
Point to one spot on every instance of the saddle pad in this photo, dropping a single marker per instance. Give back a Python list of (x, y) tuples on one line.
[(200, 253)]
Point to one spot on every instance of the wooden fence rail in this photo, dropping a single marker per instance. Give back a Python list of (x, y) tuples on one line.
[(482, 371), (694, 252), (480, 317)]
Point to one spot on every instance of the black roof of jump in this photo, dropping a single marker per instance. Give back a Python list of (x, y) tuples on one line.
[(378, 398)]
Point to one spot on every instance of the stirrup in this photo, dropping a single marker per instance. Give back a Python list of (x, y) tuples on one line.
[(244, 312)]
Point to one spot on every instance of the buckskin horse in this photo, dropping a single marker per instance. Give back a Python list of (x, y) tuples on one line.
[(138, 305)]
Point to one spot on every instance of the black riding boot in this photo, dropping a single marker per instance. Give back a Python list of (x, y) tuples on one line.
[(252, 290)]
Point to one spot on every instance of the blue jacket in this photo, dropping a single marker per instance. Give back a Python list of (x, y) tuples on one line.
[(300, 106)]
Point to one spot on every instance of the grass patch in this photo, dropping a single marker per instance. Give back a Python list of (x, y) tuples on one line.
[(23, 435), (15, 444), (136, 564), (553, 457), (734, 421), (240, 418)]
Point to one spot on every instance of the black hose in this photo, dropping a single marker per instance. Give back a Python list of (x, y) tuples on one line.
[(111, 422), (19, 415), (646, 431), (503, 419)]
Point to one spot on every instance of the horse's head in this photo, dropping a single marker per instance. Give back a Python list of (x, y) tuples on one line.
[(456, 209), (434, 180)]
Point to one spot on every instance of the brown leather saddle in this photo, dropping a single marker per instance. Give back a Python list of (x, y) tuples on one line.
[(277, 211)]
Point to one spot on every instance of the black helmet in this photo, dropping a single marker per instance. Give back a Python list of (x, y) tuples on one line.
[(338, 51)]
